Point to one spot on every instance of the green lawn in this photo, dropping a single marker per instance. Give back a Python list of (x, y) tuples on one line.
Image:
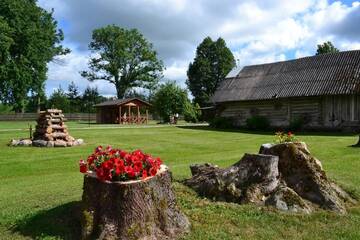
[(41, 188)]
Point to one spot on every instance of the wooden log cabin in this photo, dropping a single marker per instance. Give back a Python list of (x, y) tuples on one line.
[(322, 90), (123, 111)]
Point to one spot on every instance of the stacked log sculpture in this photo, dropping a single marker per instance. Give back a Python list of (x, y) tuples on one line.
[(138, 209), (52, 131), (285, 176)]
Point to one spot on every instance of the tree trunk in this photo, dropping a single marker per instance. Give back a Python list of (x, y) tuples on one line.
[(120, 88), (131, 210), (38, 103)]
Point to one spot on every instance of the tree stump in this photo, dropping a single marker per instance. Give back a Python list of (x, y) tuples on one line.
[(141, 209), (248, 180), (285, 176)]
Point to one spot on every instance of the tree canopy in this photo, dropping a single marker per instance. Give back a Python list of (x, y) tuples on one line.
[(59, 99), (326, 47), (124, 58), (29, 39), (169, 100), (213, 61)]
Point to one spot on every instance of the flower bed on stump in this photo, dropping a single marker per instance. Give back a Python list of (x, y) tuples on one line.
[(118, 165), (128, 195)]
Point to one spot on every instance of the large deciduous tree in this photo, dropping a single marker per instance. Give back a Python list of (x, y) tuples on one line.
[(213, 61), (326, 47), (124, 58), (29, 39)]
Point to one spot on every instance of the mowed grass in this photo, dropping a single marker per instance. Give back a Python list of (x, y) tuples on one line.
[(41, 188)]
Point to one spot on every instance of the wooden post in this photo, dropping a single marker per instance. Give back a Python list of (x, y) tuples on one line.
[(30, 129), (130, 120), (138, 114), (147, 116), (120, 115)]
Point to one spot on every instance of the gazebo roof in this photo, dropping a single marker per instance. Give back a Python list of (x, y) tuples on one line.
[(119, 102)]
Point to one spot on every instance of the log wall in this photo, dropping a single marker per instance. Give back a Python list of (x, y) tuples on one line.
[(319, 112)]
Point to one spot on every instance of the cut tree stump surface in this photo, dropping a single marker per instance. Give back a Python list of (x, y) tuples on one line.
[(285, 176), (142, 209)]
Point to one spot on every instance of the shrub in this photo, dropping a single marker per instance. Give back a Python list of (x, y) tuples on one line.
[(296, 124), (170, 99), (222, 122), (117, 165), (191, 113), (258, 123)]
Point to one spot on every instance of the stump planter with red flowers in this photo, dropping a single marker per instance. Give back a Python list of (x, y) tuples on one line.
[(128, 196)]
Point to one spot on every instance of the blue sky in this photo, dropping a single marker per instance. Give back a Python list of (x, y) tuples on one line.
[(256, 31)]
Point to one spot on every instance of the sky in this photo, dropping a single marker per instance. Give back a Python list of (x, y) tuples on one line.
[(256, 31)]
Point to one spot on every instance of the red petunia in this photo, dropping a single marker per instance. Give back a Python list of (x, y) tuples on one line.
[(144, 174), (83, 166), (109, 164), (130, 172), (122, 154), (153, 171)]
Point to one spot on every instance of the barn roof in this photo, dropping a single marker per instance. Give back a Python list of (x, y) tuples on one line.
[(326, 74), (119, 102)]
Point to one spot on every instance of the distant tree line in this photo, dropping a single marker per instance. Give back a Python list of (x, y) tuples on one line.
[(69, 101)]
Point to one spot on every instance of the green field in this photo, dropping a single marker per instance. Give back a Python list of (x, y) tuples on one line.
[(41, 188)]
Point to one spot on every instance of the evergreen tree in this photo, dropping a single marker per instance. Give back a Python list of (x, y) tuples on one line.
[(59, 100), (90, 97), (74, 97), (213, 61)]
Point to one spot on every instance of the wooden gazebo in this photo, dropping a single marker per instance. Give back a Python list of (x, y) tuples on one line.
[(123, 111)]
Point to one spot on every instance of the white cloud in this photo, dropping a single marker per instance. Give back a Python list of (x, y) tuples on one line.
[(257, 31)]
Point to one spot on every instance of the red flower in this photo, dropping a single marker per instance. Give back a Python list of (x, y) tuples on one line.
[(138, 164), (290, 133), (122, 154), (144, 174), (109, 164), (98, 149), (153, 171), (130, 172), (83, 166)]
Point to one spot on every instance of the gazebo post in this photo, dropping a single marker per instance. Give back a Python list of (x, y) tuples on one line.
[(130, 120), (120, 115), (138, 114), (147, 115)]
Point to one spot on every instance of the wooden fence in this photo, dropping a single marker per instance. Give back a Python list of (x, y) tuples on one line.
[(33, 116)]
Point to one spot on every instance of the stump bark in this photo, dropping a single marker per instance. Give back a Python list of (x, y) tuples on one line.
[(285, 176), (248, 180), (142, 209)]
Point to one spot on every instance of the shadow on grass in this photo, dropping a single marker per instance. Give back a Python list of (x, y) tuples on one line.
[(269, 132), (60, 222)]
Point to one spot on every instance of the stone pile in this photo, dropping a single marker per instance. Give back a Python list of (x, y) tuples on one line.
[(50, 131)]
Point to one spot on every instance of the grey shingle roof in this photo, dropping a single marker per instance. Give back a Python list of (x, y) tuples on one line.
[(327, 74)]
